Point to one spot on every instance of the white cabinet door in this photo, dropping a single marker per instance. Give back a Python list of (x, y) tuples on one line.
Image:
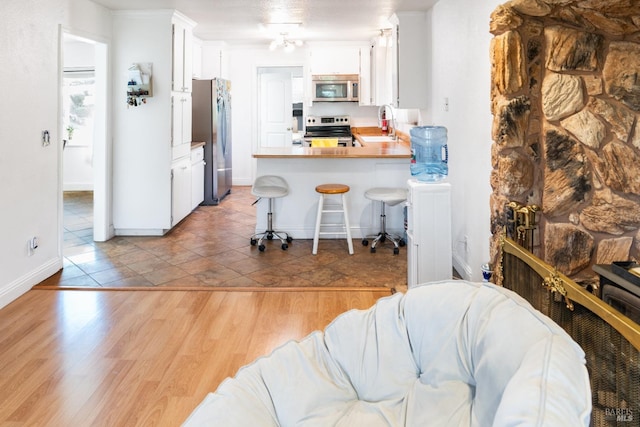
[(409, 60), (381, 80), (187, 60), (180, 191), (197, 177), (180, 124), (365, 76), (176, 119), (182, 57), (335, 60), (185, 133), (428, 232), (178, 58)]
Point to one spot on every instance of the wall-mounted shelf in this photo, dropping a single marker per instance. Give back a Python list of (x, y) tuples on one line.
[(139, 83)]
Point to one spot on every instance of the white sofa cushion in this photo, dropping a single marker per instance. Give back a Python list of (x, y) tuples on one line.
[(446, 353)]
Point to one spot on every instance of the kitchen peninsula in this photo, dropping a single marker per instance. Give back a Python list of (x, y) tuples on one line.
[(376, 165)]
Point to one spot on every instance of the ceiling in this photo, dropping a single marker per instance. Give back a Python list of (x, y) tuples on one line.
[(240, 21)]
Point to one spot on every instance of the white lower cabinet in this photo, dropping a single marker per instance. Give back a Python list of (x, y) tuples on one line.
[(180, 190), (197, 177)]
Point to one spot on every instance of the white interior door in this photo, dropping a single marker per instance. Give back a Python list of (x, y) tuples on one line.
[(276, 114)]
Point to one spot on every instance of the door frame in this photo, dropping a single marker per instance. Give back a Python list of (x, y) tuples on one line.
[(103, 229), (257, 70)]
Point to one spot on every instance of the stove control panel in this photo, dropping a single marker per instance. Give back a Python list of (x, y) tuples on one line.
[(328, 121)]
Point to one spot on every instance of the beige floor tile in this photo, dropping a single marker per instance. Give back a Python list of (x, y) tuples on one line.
[(211, 248)]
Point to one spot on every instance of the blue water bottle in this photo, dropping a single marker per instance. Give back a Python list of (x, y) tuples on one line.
[(429, 153)]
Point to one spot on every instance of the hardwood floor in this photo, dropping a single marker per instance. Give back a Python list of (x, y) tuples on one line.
[(73, 353), (135, 358)]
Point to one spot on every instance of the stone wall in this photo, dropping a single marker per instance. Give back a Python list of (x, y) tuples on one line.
[(565, 101)]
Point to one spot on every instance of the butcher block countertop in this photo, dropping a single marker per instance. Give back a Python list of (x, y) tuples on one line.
[(386, 150), (359, 132), (380, 150)]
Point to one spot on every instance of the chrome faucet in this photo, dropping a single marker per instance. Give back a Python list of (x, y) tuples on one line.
[(392, 134)]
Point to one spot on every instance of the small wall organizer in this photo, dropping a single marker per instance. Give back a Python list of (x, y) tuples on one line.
[(139, 86)]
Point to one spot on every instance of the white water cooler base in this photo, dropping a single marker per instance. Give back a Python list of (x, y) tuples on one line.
[(428, 232)]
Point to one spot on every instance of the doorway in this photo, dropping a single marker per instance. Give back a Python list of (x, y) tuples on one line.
[(85, 158), (281, 95)]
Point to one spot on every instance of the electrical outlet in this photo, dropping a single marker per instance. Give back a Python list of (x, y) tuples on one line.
[(446, 104)]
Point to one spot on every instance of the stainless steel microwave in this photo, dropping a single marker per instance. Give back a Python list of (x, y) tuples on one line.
[(335, 87)]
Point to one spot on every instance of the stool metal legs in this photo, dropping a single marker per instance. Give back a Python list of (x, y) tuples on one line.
[(383, 235), (269, 233), (347, 227)]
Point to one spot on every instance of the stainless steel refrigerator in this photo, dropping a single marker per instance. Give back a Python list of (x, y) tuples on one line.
[(211, 124)]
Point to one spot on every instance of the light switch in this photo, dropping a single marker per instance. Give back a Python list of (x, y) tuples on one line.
[(46, 138)]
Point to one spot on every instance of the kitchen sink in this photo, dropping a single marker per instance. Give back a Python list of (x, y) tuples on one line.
[(376, 139)]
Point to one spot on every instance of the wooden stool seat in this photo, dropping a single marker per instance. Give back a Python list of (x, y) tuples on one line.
[(332, 188), (326, 190)]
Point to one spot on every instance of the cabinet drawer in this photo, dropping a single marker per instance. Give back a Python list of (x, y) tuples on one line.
[(180, 151), (197, 154)]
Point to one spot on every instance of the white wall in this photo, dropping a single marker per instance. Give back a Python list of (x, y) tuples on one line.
[(142, 134), (30, 175), (243, 63), (462, 73)]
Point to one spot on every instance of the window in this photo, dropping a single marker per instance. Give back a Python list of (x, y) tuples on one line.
[(78, 95)]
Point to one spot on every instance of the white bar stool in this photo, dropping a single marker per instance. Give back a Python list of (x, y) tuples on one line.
[(391, 197), (326, 190), (270, 186)]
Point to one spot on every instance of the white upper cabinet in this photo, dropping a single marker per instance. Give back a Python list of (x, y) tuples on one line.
[(344, 60), (182, 75), (410, 51), (335, 60), (365, 97), (182, 54), (381, 83)]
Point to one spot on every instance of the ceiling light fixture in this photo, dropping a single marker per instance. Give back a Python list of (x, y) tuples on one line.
[(383, 38), (282, 41)]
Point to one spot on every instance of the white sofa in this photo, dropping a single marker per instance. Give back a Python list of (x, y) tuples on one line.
[(451, 353)]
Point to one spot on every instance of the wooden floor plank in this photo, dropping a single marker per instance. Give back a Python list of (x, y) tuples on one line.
[(143, 358)]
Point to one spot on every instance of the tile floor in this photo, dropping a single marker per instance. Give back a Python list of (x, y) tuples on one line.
[(211, 248)]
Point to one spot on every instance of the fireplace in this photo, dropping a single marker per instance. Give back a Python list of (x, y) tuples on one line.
[(566, 136), (610, 340)]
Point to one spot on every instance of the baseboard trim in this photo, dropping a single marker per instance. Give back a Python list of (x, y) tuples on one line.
[(462, 267), (77, 186), (23, 284)]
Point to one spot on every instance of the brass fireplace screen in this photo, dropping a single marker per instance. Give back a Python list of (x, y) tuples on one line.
[(610, 340)]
